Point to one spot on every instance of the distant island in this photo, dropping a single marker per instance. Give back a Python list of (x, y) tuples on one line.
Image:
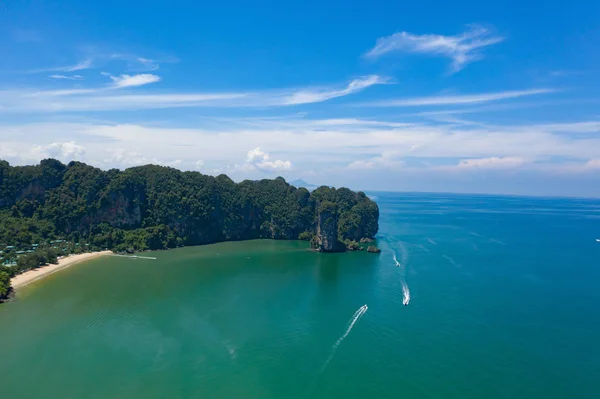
[(302, 183), (53, 209)]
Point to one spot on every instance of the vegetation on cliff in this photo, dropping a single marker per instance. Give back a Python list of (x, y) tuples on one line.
[(4, 285), (153, 207)]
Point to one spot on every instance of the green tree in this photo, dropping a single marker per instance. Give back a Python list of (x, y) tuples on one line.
[(4, 285)]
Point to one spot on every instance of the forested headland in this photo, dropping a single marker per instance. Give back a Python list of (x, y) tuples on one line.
[(52, 209)]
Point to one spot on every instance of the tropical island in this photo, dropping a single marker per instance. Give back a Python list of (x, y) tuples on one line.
[(52, 210)]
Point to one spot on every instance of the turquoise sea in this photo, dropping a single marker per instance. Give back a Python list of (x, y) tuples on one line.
[(504, 303)]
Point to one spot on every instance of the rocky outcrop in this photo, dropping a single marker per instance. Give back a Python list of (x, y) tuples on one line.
[(373, 249), (327, 229)]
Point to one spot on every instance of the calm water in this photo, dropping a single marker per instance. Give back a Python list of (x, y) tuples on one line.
[(504, 303)]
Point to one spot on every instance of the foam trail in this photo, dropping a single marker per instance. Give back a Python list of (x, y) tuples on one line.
[(431, 241), (405, 293), (405, 290), (355, 318), (449, 259), (396, 260), (135, 256), (404, 253)]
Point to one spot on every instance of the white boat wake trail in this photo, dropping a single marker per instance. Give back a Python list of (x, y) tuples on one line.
[(405, 289), (405, 293), (402, 265), (396, 260), (355, 318)]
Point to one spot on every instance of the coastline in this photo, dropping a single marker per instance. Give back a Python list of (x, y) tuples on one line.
[(29, 276)]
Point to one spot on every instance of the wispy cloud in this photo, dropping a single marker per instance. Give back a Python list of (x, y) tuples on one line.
[(139, 63), (51, 93), (459, 99), (105, 98), (491, 163), (85, 64), (72, 77), (461, 49), (387, 160), (148, 63), (132, 80), (315, 96), (95, 58)]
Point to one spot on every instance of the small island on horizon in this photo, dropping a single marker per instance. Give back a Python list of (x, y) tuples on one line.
[(53, 209)]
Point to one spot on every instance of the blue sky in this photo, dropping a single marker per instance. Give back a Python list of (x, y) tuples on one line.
[(427, 96)]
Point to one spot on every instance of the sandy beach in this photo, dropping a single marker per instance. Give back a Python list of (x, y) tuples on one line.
[(36, 274)]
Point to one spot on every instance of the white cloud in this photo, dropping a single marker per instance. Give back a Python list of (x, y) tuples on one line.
[(370, 164), (173, 164), (122, 158), (73, 77), (491, 163), (243, 168), (387, 160), (274, 165), (461, 49), (256, 154), (310, 96), (64, 151), (261, 160), (310, 144), (132, 80), (459, 99), (199, 164)]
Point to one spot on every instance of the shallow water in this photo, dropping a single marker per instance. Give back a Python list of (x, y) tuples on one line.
[(503, 303)]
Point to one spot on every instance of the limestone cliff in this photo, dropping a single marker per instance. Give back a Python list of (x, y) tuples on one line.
[(327, 229)]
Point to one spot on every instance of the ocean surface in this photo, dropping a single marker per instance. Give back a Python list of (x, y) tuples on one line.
[(502, 294)]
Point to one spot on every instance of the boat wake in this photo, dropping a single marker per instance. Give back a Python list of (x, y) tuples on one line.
[(405, 289), (405, 293), (396, 260), (355, 318), (449, 259), (134, 256)]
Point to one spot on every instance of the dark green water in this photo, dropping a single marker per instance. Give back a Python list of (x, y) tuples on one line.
[(504, 304)]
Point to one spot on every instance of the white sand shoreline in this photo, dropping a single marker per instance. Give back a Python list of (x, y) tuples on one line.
[(35, 274)]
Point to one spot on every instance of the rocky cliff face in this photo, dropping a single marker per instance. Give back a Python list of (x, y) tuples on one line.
[(327, 229)]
